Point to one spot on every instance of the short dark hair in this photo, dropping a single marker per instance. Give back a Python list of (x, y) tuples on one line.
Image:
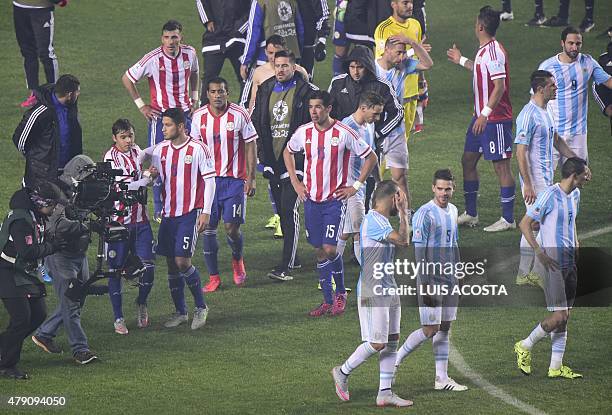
[(176, 114), (285, 54), (370, 99), (385, 188), (539, 79), (172, 25), (573, 30), (323, 96), (66, 84), (489, 19), (276, 40), (122, 124), (443, 174), (216, 80), (390, 42), (573, 165)]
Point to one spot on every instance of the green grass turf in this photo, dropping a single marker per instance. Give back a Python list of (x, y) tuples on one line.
[(259, 353)]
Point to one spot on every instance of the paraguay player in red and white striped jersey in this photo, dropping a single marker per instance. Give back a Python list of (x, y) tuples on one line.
[(125, 155), (490, 132), (327, 145), (172, 72), (187, 172), (227, 130)]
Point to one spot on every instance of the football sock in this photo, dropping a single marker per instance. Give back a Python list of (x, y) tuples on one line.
[(507, 198), (337, 272), (559, 339), (564, 9), (414, 340), (539, 7), (114, 292), (325, 281), (386, 362), (340, 246), (236, 245), (192, 278), (337, 65), (272, 202), (470, 192), (440, 350), (176, 283), (211, 248), (360, 355), (357, 248), (588, 9), (146, 283), (535, 336), (527, 254)]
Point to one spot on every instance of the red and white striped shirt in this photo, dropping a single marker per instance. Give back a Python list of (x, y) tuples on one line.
[(491, 63), (128, 162), (168, 77), (327, 154), (183, 170), (226, 136)]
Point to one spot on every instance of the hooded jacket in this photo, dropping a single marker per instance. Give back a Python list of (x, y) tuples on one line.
[(37, 137), (230, 18), (346, 92)]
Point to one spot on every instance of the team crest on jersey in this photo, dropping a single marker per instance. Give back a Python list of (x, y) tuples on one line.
[(186, 64), (417, 236), (284, 11), (280, 110), (230, 126), (112, 253), (188, 159), (335, 141)]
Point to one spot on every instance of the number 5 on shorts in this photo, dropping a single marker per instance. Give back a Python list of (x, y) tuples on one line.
[(186, 242)]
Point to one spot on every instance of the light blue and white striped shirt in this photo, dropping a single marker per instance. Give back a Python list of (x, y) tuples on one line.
[(375, 251), (366, 132), (534, 128), (435, 233), (569, 110), (556, 212)]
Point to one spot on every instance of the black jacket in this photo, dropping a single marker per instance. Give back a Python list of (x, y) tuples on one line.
[(362, 17), (230, 18), (274, 169), (346, 92), (315, 14), (37, 137), (28, 245)]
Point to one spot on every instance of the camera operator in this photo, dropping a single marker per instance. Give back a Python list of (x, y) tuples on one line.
[(64, 266), (23, 245)]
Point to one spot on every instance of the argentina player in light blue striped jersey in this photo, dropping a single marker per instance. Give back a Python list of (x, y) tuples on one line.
[(573, 71), (394, 66), (435, 238), (555, 209), (535, 139)]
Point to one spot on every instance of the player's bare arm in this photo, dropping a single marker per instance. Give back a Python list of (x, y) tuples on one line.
[(526, 228), (147, 111), (251, 160), (499, 87), (346, 192), (194, 81), (298, 186), (454, 55), (524, 168)]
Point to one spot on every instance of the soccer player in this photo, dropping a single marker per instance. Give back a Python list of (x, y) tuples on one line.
[(187, 170), (535, 139), (371, 106), (227, 130), (379, 313), (172, 71), (125, 155), (327, 145), (573, 71), (490, 132), (401, 22), (435, 241), (394, 67), (555, 209)]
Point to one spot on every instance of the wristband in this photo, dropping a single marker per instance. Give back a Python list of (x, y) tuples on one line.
[(462, 61), (486, 111), (139, 102), (357, 185)]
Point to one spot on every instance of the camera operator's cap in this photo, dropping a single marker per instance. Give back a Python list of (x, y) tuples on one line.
[(46, 194)]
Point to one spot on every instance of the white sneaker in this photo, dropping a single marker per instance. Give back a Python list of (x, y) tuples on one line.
[(341, 382), (120, 327), (500, 225), (467, 220), (449, 385), (506, 16), (199, 318), (176, 320), (391, 399)]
